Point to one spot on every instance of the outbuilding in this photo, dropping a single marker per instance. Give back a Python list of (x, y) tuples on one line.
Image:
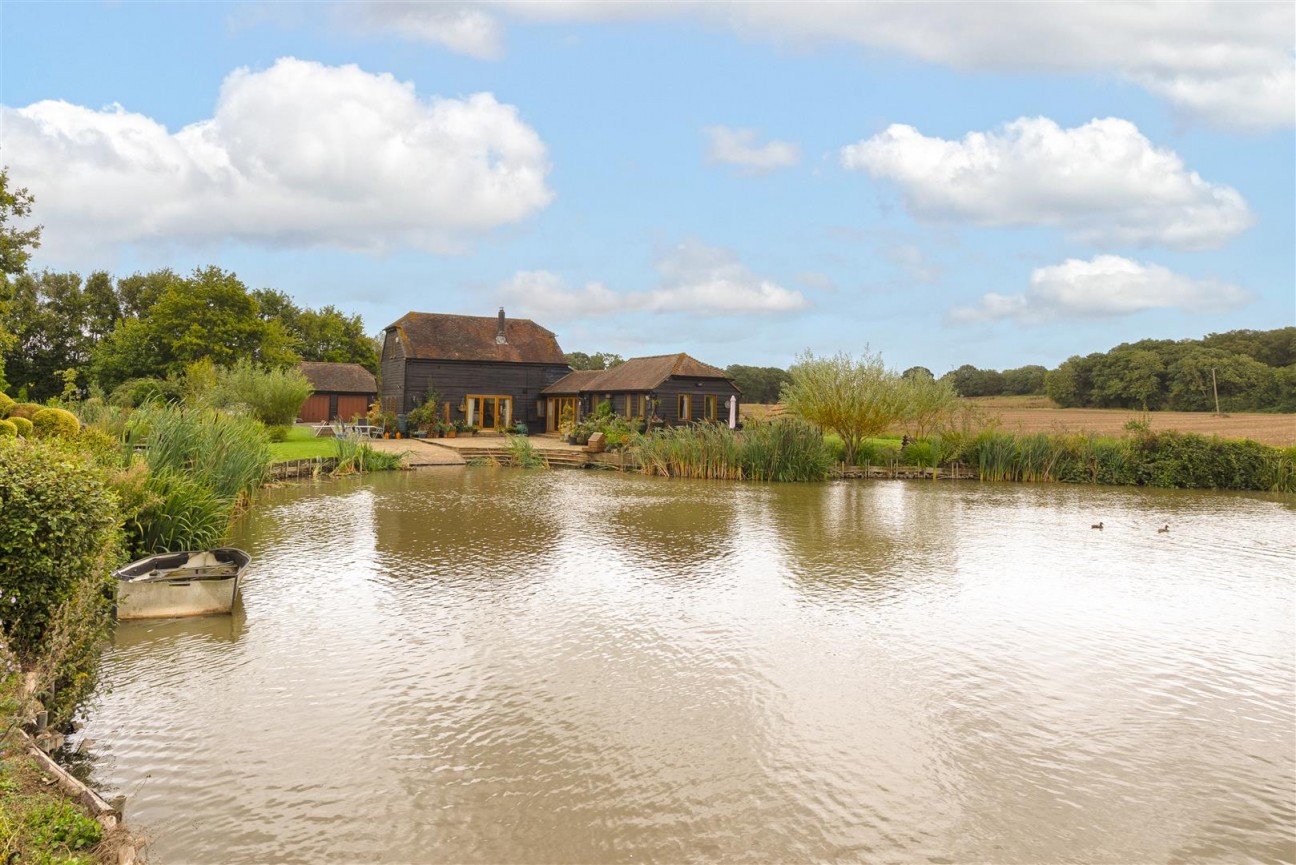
[(342, 391)]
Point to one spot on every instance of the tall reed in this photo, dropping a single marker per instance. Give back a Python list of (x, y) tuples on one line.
[(782, 450), (185, 474), (523, 454), (230, 453), (357, 456), (701, 452)]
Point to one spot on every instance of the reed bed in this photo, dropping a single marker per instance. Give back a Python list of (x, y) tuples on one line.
[(185, 474), (229, 453), (786, 450), (782, 450), (1143, 458), (357, 457)]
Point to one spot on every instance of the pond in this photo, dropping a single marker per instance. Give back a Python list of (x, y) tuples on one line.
[(492, 665)]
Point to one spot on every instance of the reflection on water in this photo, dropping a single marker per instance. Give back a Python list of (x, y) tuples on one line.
[(499, 666)]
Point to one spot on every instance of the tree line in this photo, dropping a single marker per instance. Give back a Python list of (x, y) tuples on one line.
[(1252, 370), (61, 332)]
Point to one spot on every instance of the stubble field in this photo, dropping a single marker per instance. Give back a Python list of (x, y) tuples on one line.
[(1032, 414)]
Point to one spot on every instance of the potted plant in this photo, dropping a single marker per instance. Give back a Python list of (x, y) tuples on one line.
[(451, 429)]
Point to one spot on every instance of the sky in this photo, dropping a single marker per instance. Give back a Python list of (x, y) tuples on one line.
[(998, 184)]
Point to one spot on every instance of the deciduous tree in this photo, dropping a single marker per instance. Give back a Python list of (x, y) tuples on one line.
[(854, 397)]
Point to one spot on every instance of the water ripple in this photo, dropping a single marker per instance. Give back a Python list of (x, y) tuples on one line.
[(496, 666)]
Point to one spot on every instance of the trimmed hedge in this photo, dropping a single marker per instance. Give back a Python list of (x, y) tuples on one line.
[(5, 402), (24, 426), (59, 525), (8, 429), (24, 409), (55, 422)]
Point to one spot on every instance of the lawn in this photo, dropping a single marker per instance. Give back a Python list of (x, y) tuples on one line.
[(301, 444)]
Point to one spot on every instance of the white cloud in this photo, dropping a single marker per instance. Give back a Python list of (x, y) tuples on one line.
[(1106, 287), (462, 27), (740, 147), (695, 278), (1223, 63), (300, 154), (1103, 182)]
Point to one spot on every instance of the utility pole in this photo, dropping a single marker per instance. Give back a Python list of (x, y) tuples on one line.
[(1215, 388)]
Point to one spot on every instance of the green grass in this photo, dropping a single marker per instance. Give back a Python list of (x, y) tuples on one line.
[(301, 444)]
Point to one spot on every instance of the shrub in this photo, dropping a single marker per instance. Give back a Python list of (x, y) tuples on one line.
[(278, 432), (24, 409), (920, 453), (274, 396), (23, 426), (8, 429), (6, 402), (136, 392), (873, 452), (58, 528), (55, 422)]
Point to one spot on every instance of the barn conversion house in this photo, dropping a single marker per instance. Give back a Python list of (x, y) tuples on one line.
[(487, 371), (493, 372)]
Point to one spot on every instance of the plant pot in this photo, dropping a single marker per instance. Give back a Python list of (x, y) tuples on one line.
[(451, 433), (386, 435)]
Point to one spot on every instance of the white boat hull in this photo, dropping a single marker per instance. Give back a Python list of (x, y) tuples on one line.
[(173, 598), (173, 585)]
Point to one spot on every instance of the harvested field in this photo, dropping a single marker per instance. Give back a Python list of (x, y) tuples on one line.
[(1040, 414)]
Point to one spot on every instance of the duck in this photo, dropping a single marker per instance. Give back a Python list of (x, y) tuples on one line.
[(1163, 529), (1096, 526)]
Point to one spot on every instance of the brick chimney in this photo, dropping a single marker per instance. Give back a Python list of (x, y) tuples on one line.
[(499, 332)]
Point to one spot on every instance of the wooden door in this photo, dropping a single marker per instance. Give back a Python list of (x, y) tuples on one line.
[(315, 409), (350, 406)]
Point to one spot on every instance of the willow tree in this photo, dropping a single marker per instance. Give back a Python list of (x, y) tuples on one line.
[(857, 398), (927, 400)]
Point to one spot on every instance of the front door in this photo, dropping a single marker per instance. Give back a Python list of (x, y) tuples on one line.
[(490, 412)]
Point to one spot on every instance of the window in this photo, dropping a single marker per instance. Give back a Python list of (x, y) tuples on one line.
[(684, 407), (709, 407), (634, 405)]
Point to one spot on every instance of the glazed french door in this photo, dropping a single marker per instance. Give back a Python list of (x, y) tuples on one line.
[(563, 409), (490, 412)]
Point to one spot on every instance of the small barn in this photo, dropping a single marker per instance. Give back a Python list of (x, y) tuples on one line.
[(677, 388), (342, 391)]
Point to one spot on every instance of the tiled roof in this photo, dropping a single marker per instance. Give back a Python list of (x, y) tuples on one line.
[(436, 336), (636, 374), (339, 377)]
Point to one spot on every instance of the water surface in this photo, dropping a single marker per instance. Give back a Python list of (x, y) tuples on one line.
[(477, 665)]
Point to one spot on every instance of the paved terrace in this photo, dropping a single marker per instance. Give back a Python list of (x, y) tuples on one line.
[(458, 450)]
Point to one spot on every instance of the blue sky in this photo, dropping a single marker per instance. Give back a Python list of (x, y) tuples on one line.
[(995, 184)]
